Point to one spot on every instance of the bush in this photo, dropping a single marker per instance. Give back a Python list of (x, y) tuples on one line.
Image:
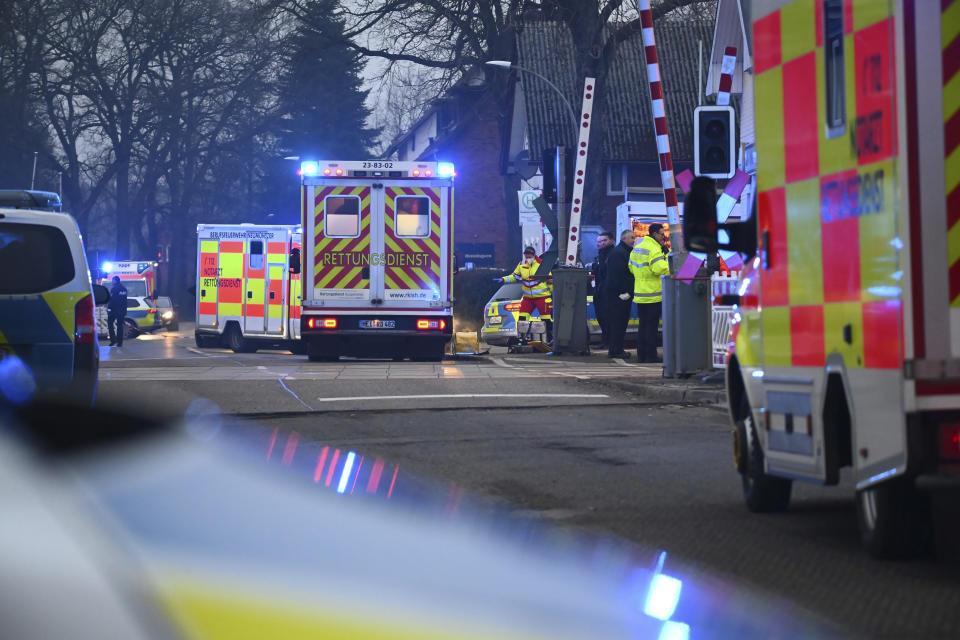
[(471, 291)]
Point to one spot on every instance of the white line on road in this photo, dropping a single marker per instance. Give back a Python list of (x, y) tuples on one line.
[(500, 363), (467, 395), (192, 350), (287, 389)]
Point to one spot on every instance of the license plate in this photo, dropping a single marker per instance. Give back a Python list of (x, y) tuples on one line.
[(378, 324), (496, 319)]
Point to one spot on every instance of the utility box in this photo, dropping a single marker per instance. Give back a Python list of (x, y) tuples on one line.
[(570, 331), (687, 337)]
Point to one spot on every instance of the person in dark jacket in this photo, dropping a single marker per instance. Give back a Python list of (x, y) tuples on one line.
[(599, 270), (619, 291), (116, 312)]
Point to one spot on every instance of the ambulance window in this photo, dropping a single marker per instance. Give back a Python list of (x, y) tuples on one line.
[(256, 254), (834, 70), (33, 258), (413, 216), (341, 216)]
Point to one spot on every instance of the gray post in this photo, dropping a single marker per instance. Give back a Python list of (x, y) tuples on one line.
[(687, 335), (570, 333), (561, 182)]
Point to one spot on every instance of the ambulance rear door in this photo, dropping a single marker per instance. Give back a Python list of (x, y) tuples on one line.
[(208, 274), (295, 289), (413, 269), (340, 243)]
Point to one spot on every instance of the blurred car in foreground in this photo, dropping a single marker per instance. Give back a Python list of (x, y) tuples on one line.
[(117, 527)]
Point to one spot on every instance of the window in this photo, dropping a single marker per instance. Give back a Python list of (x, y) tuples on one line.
[(33, 258), (135, 288), (256, 255), (833, 62), (616, 179), (164, 302), (413, 216), (341, 218)]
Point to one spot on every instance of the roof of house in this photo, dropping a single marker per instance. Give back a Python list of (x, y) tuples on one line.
[(546, 47)]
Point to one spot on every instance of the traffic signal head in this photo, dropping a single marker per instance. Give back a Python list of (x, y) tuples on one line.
[(714, 144)]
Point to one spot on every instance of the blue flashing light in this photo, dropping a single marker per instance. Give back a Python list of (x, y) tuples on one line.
[(663, 596), (445, 170), (309, 168), (673, 630), (107, 267), (345, 475)]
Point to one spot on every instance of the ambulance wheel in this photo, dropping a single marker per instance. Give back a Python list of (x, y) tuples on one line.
[(763, 493), (130, 329), (895, 519), (237, 343)]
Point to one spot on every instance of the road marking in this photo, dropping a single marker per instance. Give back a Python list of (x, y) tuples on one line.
[(438, 396), (500, 363), (192, 350), (288, 390)]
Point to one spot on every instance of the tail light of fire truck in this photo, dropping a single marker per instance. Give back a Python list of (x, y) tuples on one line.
[(321, 323), (949, 442), (425, 324)]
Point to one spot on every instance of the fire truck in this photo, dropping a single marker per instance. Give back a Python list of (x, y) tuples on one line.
[(248, 286), (377, 259), (845, 349)]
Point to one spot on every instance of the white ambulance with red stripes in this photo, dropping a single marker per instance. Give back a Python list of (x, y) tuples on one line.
[(377, 258), (248, 286), (844, 354)]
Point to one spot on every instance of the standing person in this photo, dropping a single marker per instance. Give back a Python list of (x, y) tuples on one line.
[(599, 270), (619, 289), (116, 312), (536, 293), (648, 263)]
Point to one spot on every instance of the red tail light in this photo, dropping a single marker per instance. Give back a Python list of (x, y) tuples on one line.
[(329, 323), (86, 329), (416, 173), (425, 324), (326, 171), (512, 306), (949, 442), (339, 171), (151, 311), (321, 323), (428, 172)]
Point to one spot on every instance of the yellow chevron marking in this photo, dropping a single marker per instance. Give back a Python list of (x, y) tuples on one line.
[(953, 244), (392, 244), (391, 284), (341, 282), (952, 170), (400, 273), (951, 97), (331, 275), (950, 25), (423, 276)]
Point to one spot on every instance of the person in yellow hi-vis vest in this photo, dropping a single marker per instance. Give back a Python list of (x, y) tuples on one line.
[(536, 292), (647, 263)]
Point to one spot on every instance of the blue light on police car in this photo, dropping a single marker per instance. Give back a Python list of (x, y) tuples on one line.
[(309, 168), (108, 266), (445, 169)]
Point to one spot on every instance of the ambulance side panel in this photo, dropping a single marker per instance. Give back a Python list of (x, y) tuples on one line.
[(208, 270), (830, 220)]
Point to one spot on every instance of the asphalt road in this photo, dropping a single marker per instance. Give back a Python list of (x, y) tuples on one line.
[(562, 440)]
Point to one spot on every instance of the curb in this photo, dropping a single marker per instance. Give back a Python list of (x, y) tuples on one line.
[(672, 393)]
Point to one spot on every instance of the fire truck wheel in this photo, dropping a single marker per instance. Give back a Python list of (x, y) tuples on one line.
[(895, 520), (237, 343), (763, 493)]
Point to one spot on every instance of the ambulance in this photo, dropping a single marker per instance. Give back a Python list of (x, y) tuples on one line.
[(140, 279), (844, 354), (377, 259), (248, 286)]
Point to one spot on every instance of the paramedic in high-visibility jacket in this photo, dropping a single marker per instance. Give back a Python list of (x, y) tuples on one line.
[(536, 292), (647, 263)]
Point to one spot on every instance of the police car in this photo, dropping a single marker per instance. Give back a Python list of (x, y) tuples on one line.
[(501, 313), (48, 339)]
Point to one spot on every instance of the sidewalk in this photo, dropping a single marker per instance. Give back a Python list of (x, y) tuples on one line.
[(651, 386)]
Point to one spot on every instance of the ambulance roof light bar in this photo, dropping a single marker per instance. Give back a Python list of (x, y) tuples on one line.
[(376, 169)]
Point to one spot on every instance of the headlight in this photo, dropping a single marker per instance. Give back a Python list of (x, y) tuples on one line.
[(167, 315)]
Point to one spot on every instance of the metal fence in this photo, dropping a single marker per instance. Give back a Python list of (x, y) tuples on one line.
[(722, 284)]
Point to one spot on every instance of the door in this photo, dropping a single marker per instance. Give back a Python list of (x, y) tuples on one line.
[(413, 255), (343, 242), (295, 292), (255, 287), (208, 275), (277, 274)]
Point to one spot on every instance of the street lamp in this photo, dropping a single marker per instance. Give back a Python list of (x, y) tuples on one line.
[(504, 64)]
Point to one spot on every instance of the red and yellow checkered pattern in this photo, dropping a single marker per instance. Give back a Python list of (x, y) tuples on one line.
[(351, 275), (230, 289), (425, 277), (950, 41), (827, 206)]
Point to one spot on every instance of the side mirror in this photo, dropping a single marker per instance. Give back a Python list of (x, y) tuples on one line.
[(295, 261), (101, 295)]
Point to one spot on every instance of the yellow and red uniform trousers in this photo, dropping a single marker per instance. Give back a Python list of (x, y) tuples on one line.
[(536, 292)]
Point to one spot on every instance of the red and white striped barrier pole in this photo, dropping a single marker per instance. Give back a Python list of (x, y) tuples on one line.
[(581, 169), (660, 125), (726, 76)]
